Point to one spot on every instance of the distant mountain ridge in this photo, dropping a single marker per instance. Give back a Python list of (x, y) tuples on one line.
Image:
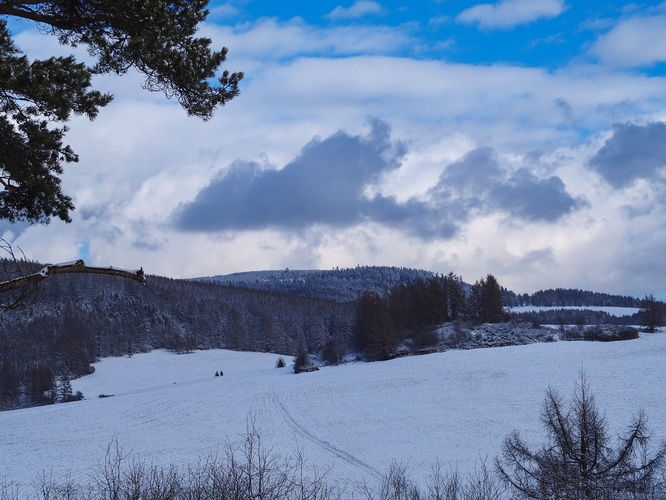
[(340, 285)]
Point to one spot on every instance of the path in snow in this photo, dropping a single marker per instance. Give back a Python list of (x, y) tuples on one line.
[(300, 427)]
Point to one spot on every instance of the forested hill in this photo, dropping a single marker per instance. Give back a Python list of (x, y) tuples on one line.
[(570, 297), (346, 285), (341, 285), (80, 318)]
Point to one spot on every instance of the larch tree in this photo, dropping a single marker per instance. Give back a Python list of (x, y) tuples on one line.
[(579, 459), (651, 313), (38, 97)]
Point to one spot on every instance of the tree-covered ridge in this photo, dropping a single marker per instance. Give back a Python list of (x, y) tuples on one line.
[(82, 318), (563, 297), (343, 285)]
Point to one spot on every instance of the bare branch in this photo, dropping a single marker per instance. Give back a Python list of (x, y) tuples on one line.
[(77, 266), (20, 283)]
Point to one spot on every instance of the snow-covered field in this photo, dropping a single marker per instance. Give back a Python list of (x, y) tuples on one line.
[(455, 406)]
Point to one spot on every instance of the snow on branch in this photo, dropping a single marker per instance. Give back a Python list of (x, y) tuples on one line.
[(77, 266)]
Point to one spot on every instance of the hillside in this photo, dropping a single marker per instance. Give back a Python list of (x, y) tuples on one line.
[(455, 407), (79, 319), (342, 285)]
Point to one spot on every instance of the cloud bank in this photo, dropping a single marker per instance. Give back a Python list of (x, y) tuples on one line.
[(328, 184)]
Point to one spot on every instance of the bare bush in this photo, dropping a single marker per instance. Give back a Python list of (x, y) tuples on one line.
[(48, 488), (482, 484), (9, 491), (395, 485), (248, 470)]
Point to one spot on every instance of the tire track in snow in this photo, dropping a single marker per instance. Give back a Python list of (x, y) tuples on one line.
[(342, 454)]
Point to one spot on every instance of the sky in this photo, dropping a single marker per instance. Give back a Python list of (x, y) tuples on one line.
[(521, 138)]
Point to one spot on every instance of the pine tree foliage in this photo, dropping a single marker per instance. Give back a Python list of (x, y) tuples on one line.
[(407, 318), (375, 332), (560, 297), (38, 97), (485, 301)]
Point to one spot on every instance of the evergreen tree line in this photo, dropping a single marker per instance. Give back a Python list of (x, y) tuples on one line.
[(342, 285), (650, 314), (563, 297), (82, 318), (407, 317), (79, 319)]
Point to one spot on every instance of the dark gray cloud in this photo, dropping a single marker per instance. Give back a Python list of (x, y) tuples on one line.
[(526, 196), (478, 183), (632, 152), (327, 182)]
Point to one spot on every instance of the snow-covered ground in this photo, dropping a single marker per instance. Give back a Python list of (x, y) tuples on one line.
[(455, 406)]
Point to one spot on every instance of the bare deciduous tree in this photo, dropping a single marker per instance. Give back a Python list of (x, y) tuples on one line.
[(578, 461)]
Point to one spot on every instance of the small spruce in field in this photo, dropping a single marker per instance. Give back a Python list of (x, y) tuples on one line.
[(280, 363), (217, 374)]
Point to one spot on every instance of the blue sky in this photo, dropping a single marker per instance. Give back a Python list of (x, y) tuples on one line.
[(522, 138), (548, 34)]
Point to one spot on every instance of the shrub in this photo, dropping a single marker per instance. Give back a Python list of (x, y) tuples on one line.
[(331, 353), (302, 362), (77, 396)]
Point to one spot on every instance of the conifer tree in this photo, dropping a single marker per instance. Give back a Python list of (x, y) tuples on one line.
[(651, 313), (37, 98), (374, 331)]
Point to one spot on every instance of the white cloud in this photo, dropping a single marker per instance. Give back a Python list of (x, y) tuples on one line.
[(223, 11), (635, 42), (360, 8), (270, 39), (509, 13)]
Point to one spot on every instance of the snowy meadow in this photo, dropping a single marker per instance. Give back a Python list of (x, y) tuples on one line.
[(349, 421)]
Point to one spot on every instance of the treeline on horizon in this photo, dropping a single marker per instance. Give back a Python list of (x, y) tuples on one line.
[(79, 319), (562, 297)]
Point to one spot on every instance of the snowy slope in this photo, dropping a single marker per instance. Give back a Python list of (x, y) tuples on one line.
[(455, 406)]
